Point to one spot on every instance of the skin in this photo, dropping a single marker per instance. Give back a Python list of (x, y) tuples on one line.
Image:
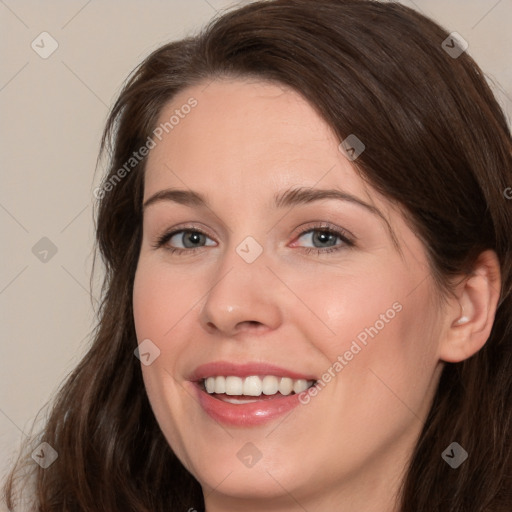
[(348, 447)]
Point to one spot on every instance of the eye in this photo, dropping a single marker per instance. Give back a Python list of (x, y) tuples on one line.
[(324, 238), (190, 239)]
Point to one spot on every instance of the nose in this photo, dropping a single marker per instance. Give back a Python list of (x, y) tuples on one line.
[(243, 297)]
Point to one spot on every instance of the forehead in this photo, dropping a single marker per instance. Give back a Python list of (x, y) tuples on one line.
[(247, 138)]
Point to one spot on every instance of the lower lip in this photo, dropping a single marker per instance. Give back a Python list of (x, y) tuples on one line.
[(246, 415)]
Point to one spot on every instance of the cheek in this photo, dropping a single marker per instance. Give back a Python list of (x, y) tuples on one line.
[(395, 370), (356, 306), (159, 300), (382, 340), (158, 306)]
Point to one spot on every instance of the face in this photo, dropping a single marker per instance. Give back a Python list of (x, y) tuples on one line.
[(246, 288)]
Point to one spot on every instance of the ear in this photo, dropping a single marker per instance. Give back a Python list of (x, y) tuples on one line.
[(469, 316)]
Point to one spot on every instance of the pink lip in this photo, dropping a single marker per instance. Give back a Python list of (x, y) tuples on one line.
[(243, 370), (244, 415)]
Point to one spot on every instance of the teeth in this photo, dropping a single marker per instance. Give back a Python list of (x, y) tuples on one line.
[(286, 386), (220, 384), (300, 385), (209, 384), (270, 385), (234, 386), (255, 385)]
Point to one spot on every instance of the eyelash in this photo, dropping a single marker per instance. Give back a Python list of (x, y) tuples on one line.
[(323, 228)]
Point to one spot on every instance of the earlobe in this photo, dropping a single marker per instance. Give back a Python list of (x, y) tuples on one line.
[(476, 303)]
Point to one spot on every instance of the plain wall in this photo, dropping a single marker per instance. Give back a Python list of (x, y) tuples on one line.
[(53, 111)]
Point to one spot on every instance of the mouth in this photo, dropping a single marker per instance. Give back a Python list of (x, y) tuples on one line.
[(250, 394), (245, 390)]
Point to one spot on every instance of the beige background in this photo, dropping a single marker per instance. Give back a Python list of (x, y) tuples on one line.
[(53, 112)]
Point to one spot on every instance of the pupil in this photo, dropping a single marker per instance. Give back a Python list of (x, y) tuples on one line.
[(194, 237), (323, 237)]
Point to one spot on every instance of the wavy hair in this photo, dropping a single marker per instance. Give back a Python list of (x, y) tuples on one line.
[(437, 143)]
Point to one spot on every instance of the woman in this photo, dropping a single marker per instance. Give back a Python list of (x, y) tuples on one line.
[(240, 364)]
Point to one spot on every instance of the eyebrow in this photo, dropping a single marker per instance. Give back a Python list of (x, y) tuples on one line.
[(291, 197), (287, 198)]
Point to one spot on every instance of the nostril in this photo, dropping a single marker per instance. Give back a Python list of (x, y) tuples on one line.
[(250, 323)]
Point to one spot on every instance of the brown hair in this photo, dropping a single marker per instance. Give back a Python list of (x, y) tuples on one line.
[(437, 143)]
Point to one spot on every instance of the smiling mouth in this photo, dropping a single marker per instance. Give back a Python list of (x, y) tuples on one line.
[(238, 390)]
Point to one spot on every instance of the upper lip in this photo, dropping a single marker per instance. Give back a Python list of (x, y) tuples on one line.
[(226, 368)]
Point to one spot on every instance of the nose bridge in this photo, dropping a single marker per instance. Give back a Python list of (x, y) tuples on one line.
[(240, 294)]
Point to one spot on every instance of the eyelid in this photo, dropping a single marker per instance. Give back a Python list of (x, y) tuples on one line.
[(344, 235), (168, 234)]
